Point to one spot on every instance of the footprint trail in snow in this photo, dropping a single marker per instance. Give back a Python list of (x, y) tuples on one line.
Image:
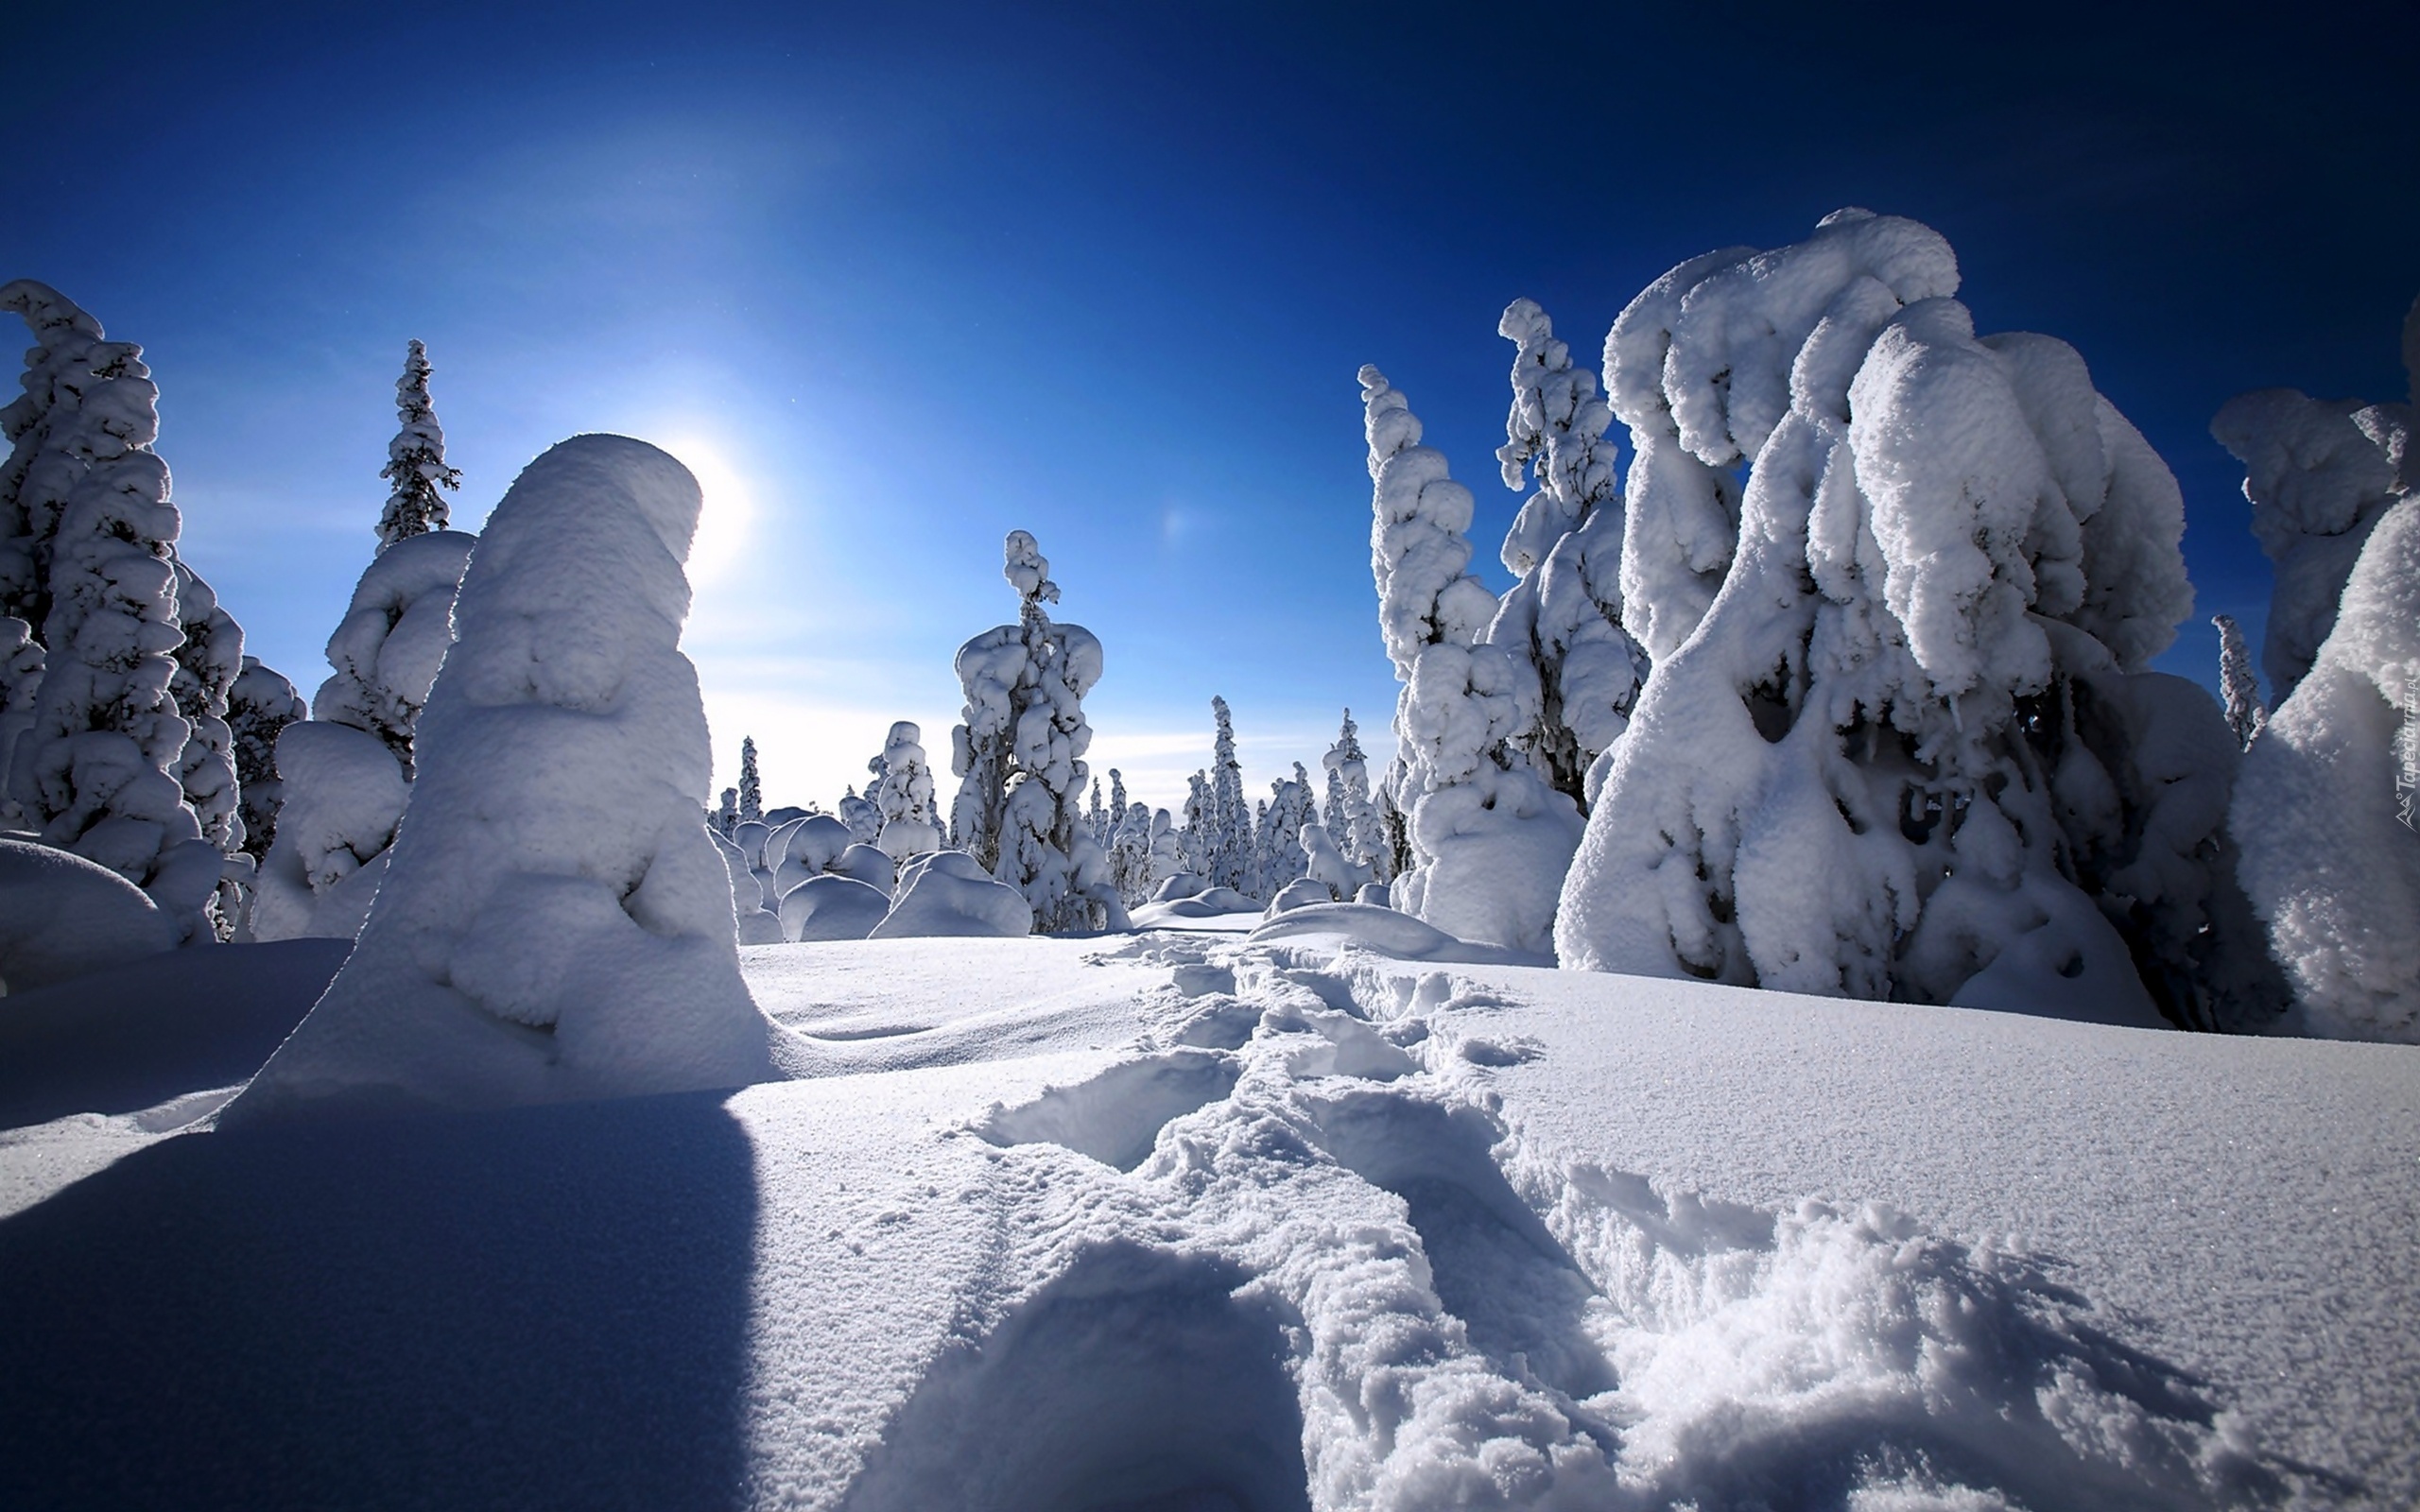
[(1295, 1252)]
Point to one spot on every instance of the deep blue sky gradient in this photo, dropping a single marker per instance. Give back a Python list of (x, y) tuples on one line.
[(920, 275)]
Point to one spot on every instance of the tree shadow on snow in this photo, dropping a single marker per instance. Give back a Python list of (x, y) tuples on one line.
[(535, 1308)]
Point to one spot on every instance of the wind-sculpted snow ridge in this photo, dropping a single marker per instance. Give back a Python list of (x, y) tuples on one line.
[(1335, 1273)]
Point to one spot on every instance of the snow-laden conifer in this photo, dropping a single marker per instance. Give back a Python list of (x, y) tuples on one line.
[(1228, 861), (751, 787), (905, 798), (208, 663), (44, 460), (415, 459), (1196, 837), (727, 816), (259, 707), (2246, 713), (1130, 853), (1486, 838), (1911, 747), (1565, 547), (1019, 755), (21, 665), (347, 772), (555, 922), (2320, 475), (1354, 827), (2323, 808), (91, 548), (1277, 848), (1166, 851)]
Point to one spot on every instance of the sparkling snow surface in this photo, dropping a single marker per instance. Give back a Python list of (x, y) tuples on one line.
[(1186, 1220)]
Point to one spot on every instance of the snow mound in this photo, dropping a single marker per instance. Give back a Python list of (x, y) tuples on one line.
[(1385, 931), (62, 917), (946, 892), (554, 922), (832, 907)]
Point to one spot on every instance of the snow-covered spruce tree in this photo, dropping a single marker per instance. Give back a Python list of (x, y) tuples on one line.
[(1019, 755), (1278, 846), (1097, 818), (1910, 749), (1486, 838), (1129, 854), (1354, 829), (1230, 854), (2246, 713), (751, 787), (2323, 808), (347, 771), (1116, 813), (1565, 547), (21, 663), (2320, 475), (1167, 858), (207, 666), (555, 922), (904, 797), (42, 425), (91, 548), (259, 707), (726, 816), (415, 460), (1198, 840)]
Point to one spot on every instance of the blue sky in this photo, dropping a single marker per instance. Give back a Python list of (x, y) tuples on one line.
[(896, 280)]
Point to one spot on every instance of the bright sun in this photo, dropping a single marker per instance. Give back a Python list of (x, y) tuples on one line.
[(729, 511)]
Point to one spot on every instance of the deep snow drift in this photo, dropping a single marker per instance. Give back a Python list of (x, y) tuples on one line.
[(1193, 1220)]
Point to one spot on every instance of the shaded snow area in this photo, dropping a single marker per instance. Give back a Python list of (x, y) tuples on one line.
[(1204, 1220)]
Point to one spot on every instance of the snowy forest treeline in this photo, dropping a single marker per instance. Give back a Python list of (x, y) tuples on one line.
[(1828, 671)]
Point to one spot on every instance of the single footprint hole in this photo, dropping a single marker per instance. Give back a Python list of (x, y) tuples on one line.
[(1116, 1117)]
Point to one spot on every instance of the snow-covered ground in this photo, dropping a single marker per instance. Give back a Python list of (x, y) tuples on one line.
[(1186, 1220)]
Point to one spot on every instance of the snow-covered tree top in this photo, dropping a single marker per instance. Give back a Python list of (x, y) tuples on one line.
[(1557, 424), (2312, 467), (1418, 551), (1027, 570)]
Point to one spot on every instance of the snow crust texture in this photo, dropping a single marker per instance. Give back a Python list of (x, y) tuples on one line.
[(554, 922)]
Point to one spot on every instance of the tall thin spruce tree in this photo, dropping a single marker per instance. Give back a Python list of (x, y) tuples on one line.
[(415, 459)]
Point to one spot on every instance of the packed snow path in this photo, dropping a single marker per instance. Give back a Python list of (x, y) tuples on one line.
[(1183, 1221)]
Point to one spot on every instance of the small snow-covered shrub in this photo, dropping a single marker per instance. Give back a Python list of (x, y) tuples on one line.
[(948, 892)]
